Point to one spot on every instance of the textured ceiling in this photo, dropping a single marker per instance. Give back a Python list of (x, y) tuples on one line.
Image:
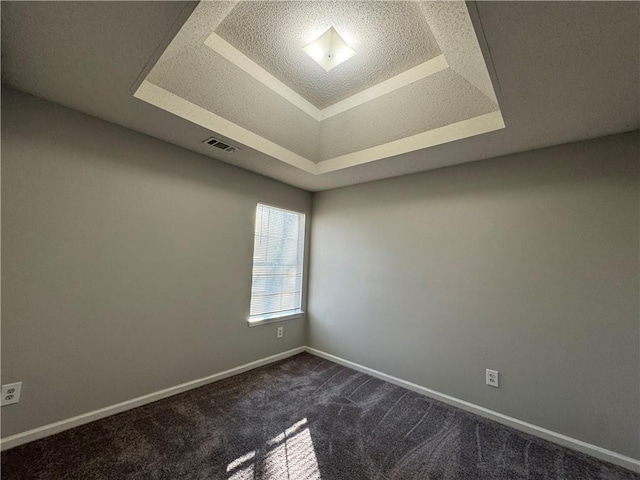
[(566, 71), (246, 102), (409, 111), (396, 89), (388, 37), (448, 25)]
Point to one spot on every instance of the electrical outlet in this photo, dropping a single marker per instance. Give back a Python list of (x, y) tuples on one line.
[(280, 332), (11, 393), (492, 378)]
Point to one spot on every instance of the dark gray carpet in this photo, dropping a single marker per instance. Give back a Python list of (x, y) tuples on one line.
[(304, 418)]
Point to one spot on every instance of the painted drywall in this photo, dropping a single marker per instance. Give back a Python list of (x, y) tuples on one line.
[(451, 24), (239, 98), (226, 78), (388, 37), (526, 264), (126, 263), (416, 110)]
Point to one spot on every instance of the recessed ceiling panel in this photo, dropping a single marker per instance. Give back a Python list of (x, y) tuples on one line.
[(88, 55), (219, 86), (409, 111), (390, 37), (243, 73)]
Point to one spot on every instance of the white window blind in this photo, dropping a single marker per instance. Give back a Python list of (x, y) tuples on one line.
[(276, 289)]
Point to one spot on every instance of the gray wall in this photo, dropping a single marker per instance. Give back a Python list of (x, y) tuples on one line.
[(126, 263), (126, 268), (527, 264)]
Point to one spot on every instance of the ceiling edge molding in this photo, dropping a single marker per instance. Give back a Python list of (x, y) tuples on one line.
[(172, 103), (485, 123), (240, 60), (430, 67)]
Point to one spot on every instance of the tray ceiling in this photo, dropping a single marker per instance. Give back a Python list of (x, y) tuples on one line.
[(239, 69), (556, 85), (389, 38)]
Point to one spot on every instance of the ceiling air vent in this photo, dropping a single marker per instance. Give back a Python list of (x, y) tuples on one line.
[(214, 142)]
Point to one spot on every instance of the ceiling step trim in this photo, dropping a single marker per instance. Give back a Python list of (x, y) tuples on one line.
[(485, 123), (432, 66), (423, 70), (216, 43), (189, 111), (172, 103)]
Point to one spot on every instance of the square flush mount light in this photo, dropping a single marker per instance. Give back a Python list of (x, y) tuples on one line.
[(329, 50)]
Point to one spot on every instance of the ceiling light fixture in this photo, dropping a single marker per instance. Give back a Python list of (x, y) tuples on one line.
[(329, 50)]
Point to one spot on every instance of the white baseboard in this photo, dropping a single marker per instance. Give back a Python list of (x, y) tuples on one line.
[(53, 428), (572, 443), (57, 427)]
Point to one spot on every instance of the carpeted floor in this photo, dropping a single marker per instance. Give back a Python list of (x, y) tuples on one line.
[(304, 418)]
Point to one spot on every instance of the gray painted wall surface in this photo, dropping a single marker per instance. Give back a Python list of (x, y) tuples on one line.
[(126, 263), (527, 264)]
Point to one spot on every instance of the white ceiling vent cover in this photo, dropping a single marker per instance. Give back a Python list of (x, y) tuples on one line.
[(214, 142)]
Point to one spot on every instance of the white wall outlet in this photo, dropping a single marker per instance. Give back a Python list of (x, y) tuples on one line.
[(492, 378), (11, 393), (280, 332)]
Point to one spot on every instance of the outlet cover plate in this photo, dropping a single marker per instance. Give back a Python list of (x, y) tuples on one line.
[(11, 393), (492, 378)]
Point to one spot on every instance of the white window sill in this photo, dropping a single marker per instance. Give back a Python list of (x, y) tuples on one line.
[(266, 319)]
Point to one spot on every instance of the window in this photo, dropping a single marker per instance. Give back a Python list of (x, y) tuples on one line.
[(278, 253)]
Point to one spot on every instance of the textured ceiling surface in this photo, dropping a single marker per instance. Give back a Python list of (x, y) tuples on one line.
[(448, 25), (567, 71), (253, 106), (411, 110), (245, 102), (388, 37), (189, 77)]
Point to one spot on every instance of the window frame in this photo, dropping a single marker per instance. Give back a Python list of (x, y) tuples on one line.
[(278, 317)]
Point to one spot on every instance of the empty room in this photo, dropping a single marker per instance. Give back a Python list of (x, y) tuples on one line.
[(320, 240)]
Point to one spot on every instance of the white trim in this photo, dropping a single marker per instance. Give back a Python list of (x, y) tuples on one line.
[(281, 315), (435, 65), (563, 440), (437, 136), (177, 105), (57, 427), (267, 321), (172, 103), (240, 60)]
